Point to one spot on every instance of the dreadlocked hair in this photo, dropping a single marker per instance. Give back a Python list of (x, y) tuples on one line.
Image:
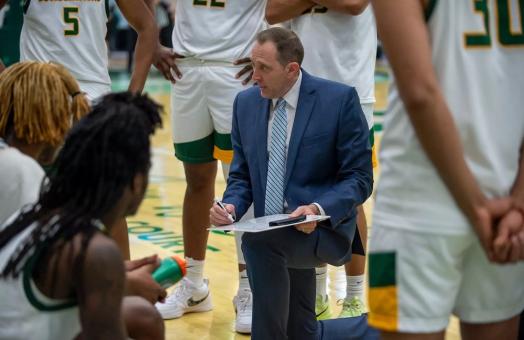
[(101, 156), (38, 102)]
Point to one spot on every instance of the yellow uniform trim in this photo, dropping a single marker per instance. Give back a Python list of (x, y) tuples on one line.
[(225, 156), (374, 158), (383, 308)]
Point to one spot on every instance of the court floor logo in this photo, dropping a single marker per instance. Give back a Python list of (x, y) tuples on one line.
[(165, 239)]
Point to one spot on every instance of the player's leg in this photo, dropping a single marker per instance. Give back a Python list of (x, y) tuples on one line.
[(491, 297), (507, 329), (194, 141), (142, 320), (353, 304), (222, 90)]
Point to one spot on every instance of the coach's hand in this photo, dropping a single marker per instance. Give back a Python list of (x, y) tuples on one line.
[(247, 69), (217, 215), (165, 61), (140, 282), (307, 227)]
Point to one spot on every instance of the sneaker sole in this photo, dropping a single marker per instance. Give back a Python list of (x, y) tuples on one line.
[(194, 309)]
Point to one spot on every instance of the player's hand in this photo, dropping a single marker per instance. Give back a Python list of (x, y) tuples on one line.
[(247, 69), (508, 245), (135, 264), (165, 61), (307, 227), (484, 220), (140, 282), (217, 215)]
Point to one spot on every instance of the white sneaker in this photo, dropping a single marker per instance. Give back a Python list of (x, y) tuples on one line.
[(243, 303), (186, 298)]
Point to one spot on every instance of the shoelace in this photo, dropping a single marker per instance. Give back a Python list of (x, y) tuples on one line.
[(244, 302), (180, 291)]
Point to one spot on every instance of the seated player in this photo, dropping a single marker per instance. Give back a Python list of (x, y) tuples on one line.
[(61, 276)]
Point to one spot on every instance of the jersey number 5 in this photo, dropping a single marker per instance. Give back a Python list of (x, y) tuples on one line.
[(71, 19), (506, 36)]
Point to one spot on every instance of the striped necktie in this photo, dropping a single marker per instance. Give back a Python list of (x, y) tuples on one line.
[(276, 168)]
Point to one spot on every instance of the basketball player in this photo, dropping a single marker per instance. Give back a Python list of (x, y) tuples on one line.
[(451, 166), (73, 34), (341, 40), (32, 123), (212, 36), (60, 274)]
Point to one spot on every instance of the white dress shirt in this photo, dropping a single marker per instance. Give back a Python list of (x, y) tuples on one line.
[(291, 98)]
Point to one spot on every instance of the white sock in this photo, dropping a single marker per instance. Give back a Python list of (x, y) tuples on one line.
[(195, 271), (243, 281), (321, 277), (355, 287)]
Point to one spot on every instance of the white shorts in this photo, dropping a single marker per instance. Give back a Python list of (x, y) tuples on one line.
[(202, 110), (417, 280)]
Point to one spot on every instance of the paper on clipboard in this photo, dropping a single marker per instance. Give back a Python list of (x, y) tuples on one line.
[(260, 224)]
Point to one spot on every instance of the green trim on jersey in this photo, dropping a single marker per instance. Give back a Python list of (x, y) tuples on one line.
[(198, 151), (30, 294), (429, 10), (108, 13), (26, 5), (223, 141), (382, 267)]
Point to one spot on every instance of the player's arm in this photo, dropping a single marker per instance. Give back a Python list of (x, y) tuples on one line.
[(352, 7), (517, 192), (101, 292), (141, 19), (282, 10), (405, 37)]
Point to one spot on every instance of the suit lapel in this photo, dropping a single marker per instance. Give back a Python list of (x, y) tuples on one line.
[(261, 140), (306, 101)]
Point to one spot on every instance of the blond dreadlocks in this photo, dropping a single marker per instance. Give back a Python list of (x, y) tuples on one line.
[(38, 102)]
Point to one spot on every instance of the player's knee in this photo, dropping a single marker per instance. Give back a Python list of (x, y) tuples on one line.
[(200, 177), (142, 320)]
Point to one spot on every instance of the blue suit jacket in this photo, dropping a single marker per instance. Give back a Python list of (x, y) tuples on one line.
[(328, 161)]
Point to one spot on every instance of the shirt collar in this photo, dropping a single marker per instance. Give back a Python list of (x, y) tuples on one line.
[(291, 97)]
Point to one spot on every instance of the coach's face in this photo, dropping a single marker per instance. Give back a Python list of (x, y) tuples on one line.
[(273, 78)]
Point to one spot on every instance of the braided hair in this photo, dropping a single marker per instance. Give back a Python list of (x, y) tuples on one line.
[(101, 156)]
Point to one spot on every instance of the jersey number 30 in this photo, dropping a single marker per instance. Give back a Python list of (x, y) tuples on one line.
[(71, 19), (506, 36)]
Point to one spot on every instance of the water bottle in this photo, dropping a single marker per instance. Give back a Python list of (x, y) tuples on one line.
[(171, 270)]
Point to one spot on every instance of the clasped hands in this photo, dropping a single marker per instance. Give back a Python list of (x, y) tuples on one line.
[(218, 217), (499, 224)]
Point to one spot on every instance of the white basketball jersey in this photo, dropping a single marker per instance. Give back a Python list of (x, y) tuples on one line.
[(340, 47), (218, 30), (478, 56), (71, 33), (27, 314)]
